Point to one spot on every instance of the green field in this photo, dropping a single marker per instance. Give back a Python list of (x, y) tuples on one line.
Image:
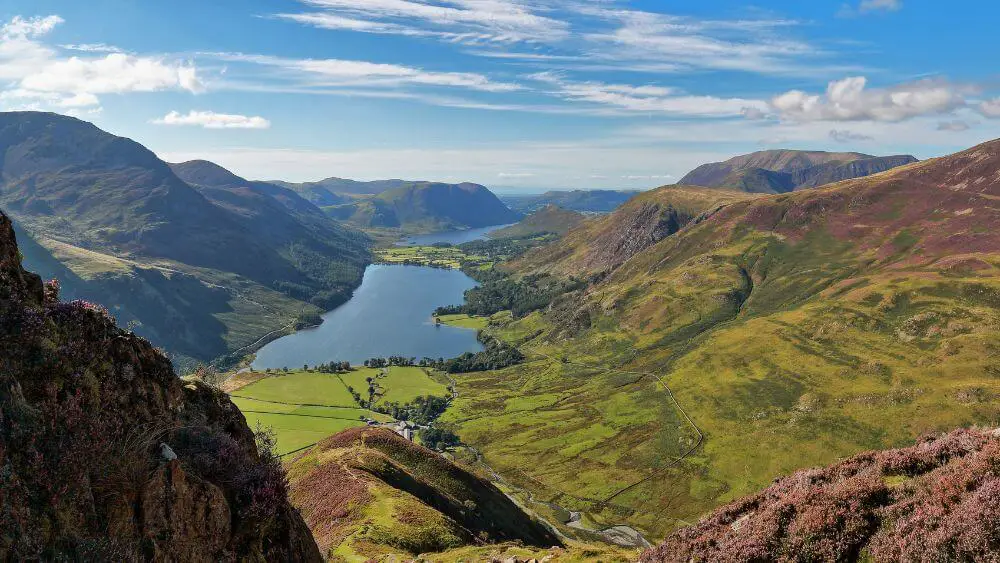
[(302, 408), (465, 321), (404, 384), (438, 257)]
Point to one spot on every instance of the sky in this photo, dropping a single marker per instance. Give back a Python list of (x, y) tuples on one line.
[(518, 95)]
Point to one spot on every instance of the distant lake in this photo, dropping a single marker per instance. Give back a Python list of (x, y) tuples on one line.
[(389, 315), (451, 237)]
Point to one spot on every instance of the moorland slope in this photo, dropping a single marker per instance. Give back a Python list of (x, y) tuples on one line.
[(770, 334), (370, 493)]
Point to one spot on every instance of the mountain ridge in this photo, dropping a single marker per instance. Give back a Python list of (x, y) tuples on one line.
[(138, 237), (782, 170)]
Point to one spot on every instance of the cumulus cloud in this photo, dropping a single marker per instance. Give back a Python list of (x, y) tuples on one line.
[(846, 136), (753, 113), (116, 73), (213, 120), (850, 99), (40, 76), (990, 108)]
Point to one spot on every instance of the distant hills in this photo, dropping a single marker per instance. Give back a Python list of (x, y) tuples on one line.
[(550, 219), (202, 261), (587, 201), (427, 206), (413, 206), (782, 171)]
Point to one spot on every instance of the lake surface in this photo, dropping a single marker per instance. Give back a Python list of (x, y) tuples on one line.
[(389, 315), (451, 237)]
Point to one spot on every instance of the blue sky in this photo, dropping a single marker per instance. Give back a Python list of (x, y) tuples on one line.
[(513, 94)]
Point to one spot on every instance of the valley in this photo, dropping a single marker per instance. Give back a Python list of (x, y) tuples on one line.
[(499, 281)]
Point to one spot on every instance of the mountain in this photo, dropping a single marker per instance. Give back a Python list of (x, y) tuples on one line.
[(108, 456), (428, 206), (547, 220), (766, 335), (325, 192), (585, 201), (598, 246), (782, 171), (929, 502), (368, 493), (245, 258)]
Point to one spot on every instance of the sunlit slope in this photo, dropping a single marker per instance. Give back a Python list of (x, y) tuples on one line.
[(367, 493), (604, 243), (792, 329)]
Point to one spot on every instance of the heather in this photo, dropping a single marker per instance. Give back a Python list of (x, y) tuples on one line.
[(935, 501), (106, 455)]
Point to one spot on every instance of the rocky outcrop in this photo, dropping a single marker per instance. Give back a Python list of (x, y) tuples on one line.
[(84, 407)]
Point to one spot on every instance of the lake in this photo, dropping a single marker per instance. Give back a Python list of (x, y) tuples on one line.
[(389, 315), (451, 237)]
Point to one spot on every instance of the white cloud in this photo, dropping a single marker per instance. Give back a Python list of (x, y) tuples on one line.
[(846, 136), (20, 50), (92, 48), (850, 99), (655, 42), (116, 73), (509, 175), (213, 120), (456, 20), (880, 5), (647, 98), (39, 75), (349, 73), (990, 108)]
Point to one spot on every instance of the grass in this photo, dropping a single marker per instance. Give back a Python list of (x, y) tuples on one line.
[(301, 388), (439, 257), (465, 321), (404, 384), (289, 406), (303, 407), (828, 349)]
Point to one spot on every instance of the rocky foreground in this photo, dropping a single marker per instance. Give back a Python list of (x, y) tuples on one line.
[(106, 455), (936, 501)]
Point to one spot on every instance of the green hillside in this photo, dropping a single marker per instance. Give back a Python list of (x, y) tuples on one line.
[(367, 493), (427, 206), (584, 201), (201, 270), (549, 219), (765, 335)]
